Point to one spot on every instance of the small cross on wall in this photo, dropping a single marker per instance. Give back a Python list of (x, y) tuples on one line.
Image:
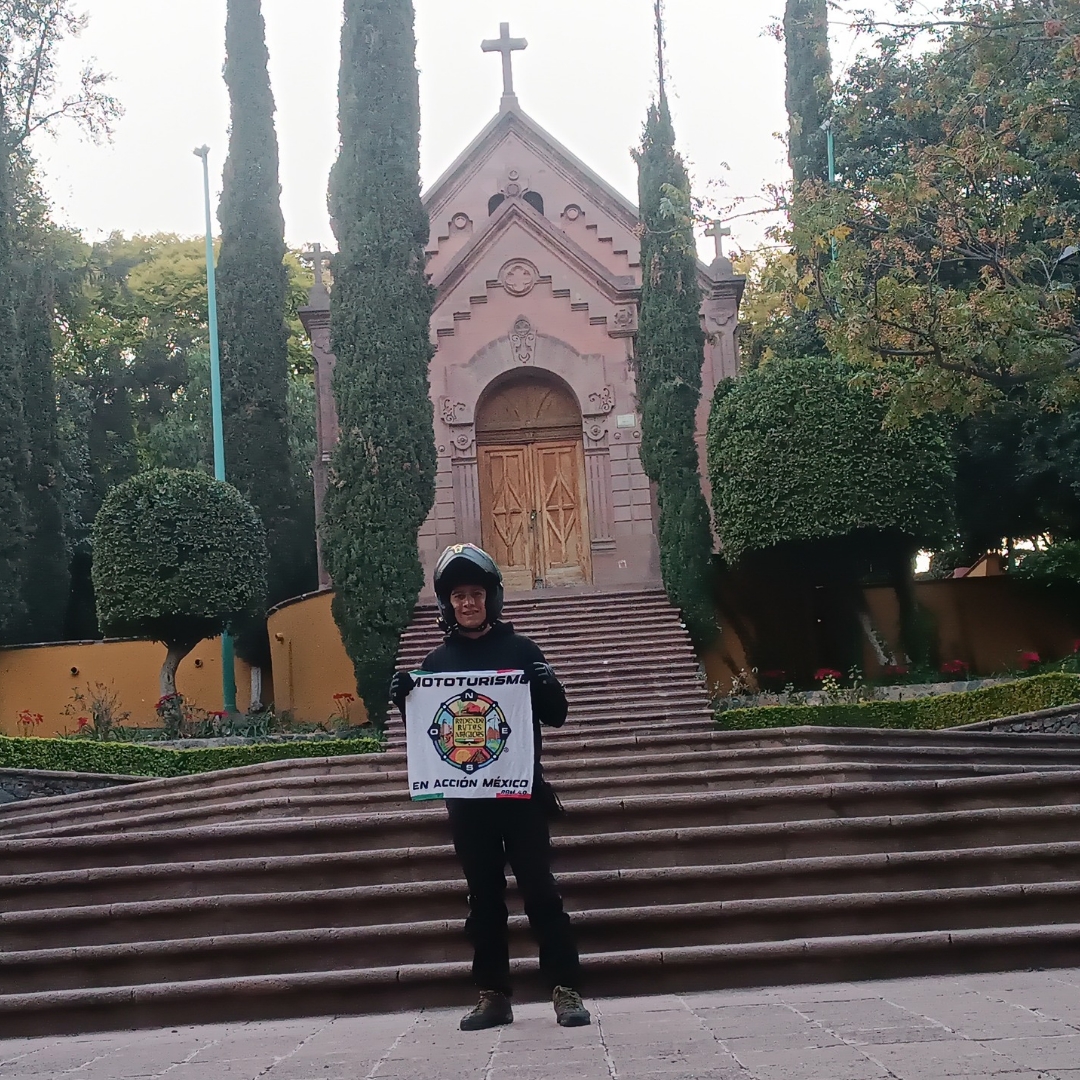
[(506, 45), (718, 230)]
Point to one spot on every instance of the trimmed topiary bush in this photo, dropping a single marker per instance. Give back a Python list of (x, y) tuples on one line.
[(135, 759), (799, 451), (928, 713), (178, 556)]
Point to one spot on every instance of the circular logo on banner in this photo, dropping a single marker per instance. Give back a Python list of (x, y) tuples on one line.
[(469, 731)]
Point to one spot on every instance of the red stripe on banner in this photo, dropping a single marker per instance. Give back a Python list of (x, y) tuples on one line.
[(511, 795)]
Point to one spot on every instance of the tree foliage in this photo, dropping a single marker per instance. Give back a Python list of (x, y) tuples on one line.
[(383, 469), (178, 557), (670, 353), (955, 223), (252, 290), (808, 87), (798, 451)]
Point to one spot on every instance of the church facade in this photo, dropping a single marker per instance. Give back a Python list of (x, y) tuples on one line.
[(536, 264)]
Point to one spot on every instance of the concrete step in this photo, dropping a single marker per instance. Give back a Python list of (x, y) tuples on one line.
[(685, 969)]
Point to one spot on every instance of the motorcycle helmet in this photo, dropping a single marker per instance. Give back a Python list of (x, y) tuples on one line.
[(466, 564)]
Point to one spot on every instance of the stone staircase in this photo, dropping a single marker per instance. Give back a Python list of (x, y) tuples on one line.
[(691, 858)]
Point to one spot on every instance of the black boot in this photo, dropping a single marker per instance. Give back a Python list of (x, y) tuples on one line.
[(492, 1010), (569, 1011)]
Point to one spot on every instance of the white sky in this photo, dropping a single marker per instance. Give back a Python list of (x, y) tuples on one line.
[(587, 76)]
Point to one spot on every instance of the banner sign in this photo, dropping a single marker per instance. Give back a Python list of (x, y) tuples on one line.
[(470, 735)]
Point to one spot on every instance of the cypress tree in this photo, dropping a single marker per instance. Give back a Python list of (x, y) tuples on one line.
[(383, 469), (809, 87), (46, 575), (670, 353), (252, 285), (13, 445)]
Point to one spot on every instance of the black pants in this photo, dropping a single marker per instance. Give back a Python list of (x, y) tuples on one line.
[(488, 834)]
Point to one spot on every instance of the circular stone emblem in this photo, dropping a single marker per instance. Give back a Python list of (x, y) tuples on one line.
[(469, 731)]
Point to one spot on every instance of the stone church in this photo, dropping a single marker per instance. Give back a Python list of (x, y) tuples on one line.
[(536, 263)]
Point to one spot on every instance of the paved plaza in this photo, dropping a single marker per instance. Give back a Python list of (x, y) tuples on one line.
[(1019, 1026)]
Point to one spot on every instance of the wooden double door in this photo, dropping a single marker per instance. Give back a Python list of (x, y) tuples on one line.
[(533, 512)]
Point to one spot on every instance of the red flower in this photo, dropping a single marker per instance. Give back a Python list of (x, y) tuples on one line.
[(1076, 645), (827, 673), (773, 674), (344, 697), (1029, 659), (219, 715), (954, 667), (895, 669), (84, 721)]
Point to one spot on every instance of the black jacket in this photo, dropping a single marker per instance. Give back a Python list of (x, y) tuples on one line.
[(500, 649)]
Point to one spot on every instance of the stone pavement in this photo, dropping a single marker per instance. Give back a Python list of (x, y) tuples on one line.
[(1019, 1026)]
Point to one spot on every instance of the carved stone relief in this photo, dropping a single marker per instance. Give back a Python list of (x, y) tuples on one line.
[(452, 411), (518, 277), (602, 402), (463, 441), (523, 340)]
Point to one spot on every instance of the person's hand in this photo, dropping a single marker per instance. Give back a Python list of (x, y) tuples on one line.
[(401, 686), (541, 673)]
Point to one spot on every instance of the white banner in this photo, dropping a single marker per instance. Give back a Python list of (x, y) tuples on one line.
[(470, 735)]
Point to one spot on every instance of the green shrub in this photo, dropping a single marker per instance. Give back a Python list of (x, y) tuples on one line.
[(134, 759), (940, 711)]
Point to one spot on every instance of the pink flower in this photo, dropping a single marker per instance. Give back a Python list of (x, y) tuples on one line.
[(1029, 659), (827, 673)]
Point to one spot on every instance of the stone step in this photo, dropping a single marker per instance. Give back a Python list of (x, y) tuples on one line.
[(394, 988), (595, 820), (427, 895), (331, 946), (388, 791)]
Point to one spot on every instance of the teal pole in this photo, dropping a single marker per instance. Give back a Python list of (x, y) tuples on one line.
[(831, 143), (228, 674)]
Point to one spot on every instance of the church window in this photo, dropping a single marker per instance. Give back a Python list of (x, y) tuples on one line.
[(495, 202), (535, 200)]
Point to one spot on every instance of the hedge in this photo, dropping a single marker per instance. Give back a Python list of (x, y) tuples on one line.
[(940, 711), (136, 759)]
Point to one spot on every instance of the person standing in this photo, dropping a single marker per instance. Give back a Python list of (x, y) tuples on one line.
[(489, 833)]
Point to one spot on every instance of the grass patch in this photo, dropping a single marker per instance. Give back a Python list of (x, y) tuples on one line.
[(927, 713), (139, 759)]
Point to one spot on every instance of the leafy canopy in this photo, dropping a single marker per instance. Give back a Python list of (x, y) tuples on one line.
[(177, 557), (798, 451)]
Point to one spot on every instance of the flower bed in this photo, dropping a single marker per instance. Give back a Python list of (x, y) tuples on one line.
[(141, 759), (939, 711)]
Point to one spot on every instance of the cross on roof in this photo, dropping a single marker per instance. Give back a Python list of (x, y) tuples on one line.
[(319, 257), (718, 230), (506, 45)]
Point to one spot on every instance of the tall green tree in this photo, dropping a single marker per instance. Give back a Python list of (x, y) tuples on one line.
[(252, 287), (808, 90), (13, 445), (383, 469), (46, 564), (670, 353)]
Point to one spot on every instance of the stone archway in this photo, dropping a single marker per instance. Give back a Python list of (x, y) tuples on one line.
[(531, 462)]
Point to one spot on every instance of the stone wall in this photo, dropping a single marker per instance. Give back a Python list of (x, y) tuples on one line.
[(1061, 721), (19, 784)]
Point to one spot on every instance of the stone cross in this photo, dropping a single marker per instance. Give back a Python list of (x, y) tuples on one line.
[(319, 257), (717, 230), (506, 45)]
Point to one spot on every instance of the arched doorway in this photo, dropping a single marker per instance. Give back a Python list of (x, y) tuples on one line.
[(533, 508)]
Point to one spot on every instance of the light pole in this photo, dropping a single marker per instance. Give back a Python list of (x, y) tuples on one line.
[(228, 675)]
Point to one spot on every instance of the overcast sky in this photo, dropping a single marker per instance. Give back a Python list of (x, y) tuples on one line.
[(588, 76)]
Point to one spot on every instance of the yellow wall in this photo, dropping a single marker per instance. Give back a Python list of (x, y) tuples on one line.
[(43, 678), (309, 661)]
